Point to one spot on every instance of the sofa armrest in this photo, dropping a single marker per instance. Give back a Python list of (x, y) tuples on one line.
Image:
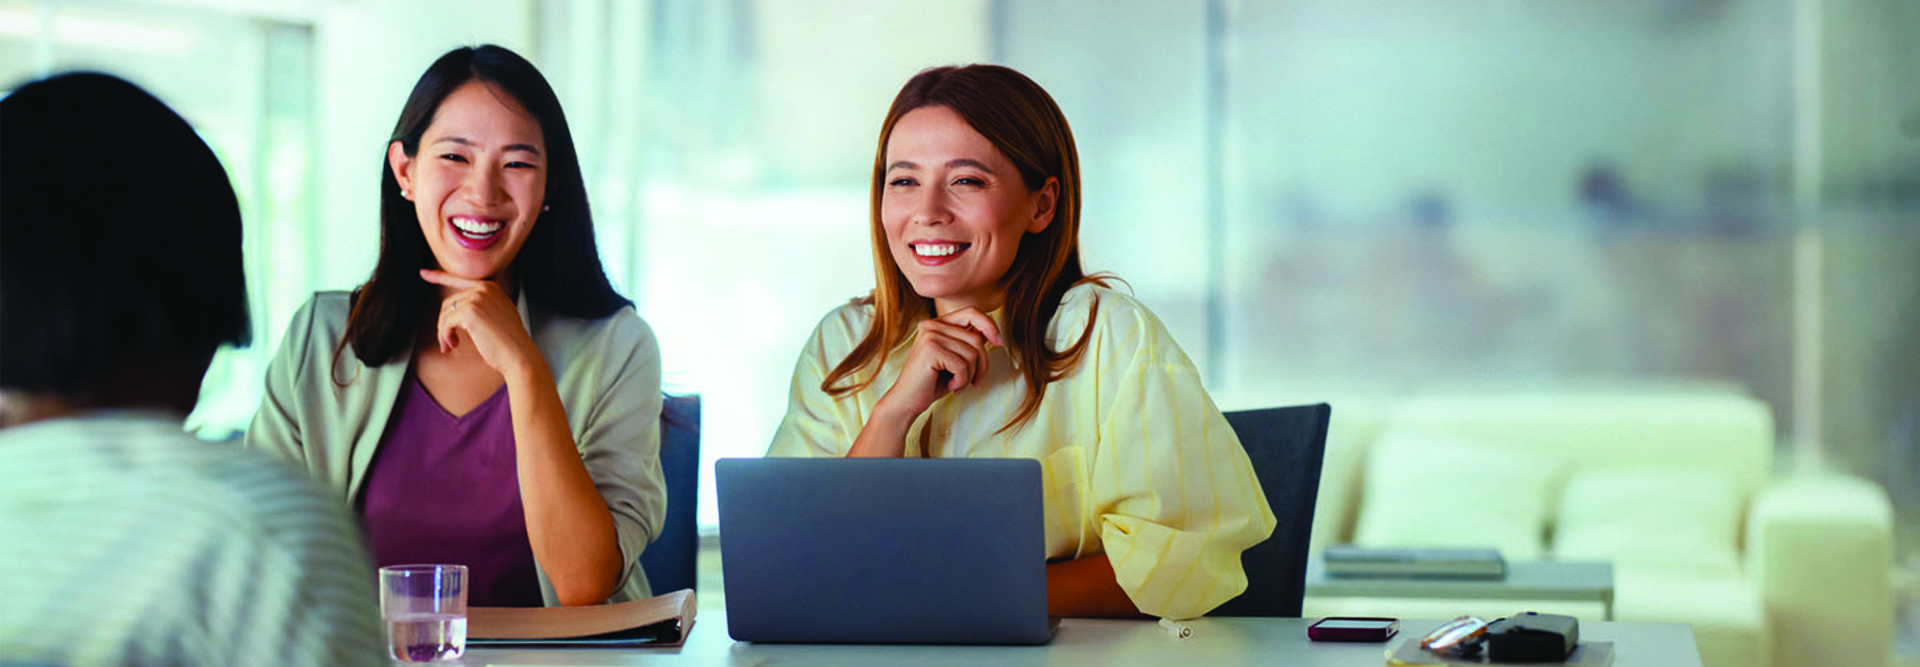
[(1821, 550)]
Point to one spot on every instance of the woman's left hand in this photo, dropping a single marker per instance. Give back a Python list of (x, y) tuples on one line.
[(480, 313)]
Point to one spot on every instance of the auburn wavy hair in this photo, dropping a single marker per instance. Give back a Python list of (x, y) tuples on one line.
[(1021, 121)]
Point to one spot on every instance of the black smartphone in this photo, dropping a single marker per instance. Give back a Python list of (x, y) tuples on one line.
[(1353, 629)]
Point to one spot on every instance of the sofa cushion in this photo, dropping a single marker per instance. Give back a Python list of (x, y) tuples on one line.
[(1642, 427), (1676, 518), (1436, 491)]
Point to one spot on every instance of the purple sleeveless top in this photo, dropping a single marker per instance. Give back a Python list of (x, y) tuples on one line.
[(446, 489)]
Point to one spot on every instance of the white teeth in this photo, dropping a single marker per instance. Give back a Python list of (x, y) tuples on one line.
[(933, 250), (475, 228)]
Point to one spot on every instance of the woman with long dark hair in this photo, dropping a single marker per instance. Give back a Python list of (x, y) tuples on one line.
[(485, 397), (983, 337)]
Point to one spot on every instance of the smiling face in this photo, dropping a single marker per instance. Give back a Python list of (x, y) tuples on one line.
[(955, 209), (478, 181)]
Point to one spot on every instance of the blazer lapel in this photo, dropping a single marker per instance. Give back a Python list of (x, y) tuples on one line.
[(379, 388)]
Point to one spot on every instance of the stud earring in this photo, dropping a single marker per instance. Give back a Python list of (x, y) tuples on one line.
[(406, 193), (545, 208)]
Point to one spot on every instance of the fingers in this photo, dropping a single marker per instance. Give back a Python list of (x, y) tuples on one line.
[(965, 361), (972, 336), (972, 318), (951, 365), (450, 280), (955, 349), (457, 309), (450, 319)]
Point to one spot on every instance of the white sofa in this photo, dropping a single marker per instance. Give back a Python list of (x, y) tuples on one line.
[(1676, 488)]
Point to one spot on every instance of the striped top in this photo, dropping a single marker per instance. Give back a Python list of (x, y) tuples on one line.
[(1136, 459), (128, 542)]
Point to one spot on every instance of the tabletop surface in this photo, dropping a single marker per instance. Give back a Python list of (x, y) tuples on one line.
[(1090, 642)]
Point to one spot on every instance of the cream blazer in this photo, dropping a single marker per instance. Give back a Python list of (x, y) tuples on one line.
[(607, 372)]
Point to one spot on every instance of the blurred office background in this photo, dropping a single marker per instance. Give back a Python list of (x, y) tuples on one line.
[(1321, 198)]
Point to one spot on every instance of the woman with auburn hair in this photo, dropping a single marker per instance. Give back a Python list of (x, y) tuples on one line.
[(984, 338), (485, 398)]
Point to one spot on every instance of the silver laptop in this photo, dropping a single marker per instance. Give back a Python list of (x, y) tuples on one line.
[(887, 551)]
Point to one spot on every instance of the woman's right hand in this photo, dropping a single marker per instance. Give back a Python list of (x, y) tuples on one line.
[(949, 354)]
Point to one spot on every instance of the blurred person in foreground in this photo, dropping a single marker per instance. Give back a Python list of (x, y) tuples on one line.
[(126, 540)]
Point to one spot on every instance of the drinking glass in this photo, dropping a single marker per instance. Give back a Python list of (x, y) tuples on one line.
[(425, 610)]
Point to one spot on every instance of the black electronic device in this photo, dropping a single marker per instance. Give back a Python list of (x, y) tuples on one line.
[(1532, 637)]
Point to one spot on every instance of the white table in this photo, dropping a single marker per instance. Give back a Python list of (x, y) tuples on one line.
[(1525, 580), (1221, 641)]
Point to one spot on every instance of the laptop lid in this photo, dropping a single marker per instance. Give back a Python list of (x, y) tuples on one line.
[(904, 551)]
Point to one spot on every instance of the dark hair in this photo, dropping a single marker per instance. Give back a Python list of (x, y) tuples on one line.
[(558, 267), (1022, 122), (119, 238)]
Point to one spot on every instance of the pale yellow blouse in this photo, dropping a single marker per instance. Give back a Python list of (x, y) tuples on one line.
[(1136, 459)]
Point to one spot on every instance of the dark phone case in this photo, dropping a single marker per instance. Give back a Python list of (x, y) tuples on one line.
[(1322, 634)]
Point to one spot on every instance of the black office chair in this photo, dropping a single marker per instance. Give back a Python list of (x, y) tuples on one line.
[(671, 561), (1287, 446)]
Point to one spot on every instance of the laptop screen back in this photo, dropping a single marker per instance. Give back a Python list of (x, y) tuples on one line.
[(918, 551)]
